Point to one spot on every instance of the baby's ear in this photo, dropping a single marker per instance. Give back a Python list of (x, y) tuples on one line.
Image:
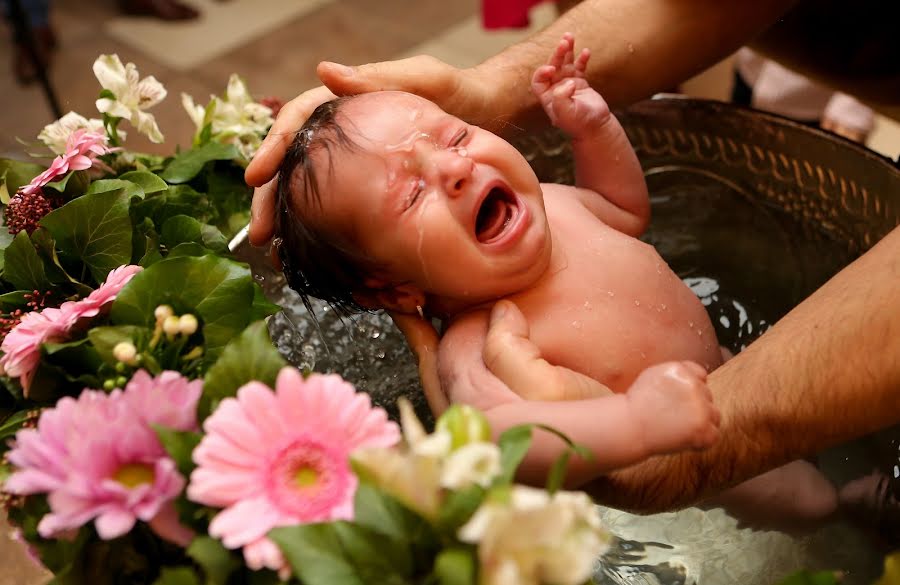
[(378, 294)]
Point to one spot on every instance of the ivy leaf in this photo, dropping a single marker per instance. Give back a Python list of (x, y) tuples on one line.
[(219, 291), (250, 356), (72, 185), (182, 228), (382, 513), (217, 561), (23, 268), (11, 424), (458, 507), (14, 300), (106, 185), (15, 174), (96, 229), (188, 165), (262, 308), (149, 182), (340, 552)]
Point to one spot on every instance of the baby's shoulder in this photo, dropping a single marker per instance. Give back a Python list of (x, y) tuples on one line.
[(567, 197)]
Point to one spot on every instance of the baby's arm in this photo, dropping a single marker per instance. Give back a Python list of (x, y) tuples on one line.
[(668, 408), (605, 162)]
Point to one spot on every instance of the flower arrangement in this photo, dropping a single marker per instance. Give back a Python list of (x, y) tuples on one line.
[(150, 431)]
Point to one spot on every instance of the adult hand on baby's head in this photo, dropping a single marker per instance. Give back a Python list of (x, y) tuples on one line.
[(470, 94)]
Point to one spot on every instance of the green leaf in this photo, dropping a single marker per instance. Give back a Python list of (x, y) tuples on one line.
[(74, 358), (458, 507), (149, 182), (230, 196), (558, 472), (262, 308), (250, 356), (187, 165), (179, 445), (56, 273), (14, 300), (383, 513), (340, 552), (95, 229), (11, 424), (15, 174), (177, 576), (72, 185), (188, 249), (217, 561), (106, 185), (514, 444), (455, 566), (219, 291), (104, 339), (23, 268), (182, 228), (177, 200)]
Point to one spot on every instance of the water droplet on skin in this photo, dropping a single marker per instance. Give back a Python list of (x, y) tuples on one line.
[(637, 303), (643, 356), (662, 306), (610, 293), (587, 305), (630, 48), (462, 152), (691, 324)]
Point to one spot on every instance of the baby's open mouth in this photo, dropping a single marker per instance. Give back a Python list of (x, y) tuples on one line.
[(497, 210)]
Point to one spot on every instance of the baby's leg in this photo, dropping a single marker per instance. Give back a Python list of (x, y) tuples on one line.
[(793, 498)]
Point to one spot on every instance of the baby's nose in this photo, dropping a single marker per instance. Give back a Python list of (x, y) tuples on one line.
[(455, 171)]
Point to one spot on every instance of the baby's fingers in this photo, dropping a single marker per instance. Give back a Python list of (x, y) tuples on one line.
[(564, 90), (581, 62), (542, 79), (563, 52)]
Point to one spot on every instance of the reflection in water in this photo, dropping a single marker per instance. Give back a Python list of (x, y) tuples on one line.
[(749, 265)]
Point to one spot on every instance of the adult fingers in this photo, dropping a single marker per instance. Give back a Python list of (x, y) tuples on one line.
[(458, 92), (423, 340), (271, 152), (262, 214)]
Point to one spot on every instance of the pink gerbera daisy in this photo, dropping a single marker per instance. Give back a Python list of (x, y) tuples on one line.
[(106, 293), (282, 458), (98, 458), (82, 148), (22, 346)]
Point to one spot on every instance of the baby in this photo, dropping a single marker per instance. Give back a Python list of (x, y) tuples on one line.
[(388, 202)]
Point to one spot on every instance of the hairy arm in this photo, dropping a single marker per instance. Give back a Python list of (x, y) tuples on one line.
[(826, 373)]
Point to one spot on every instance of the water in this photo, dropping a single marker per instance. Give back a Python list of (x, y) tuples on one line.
[(749, 264)]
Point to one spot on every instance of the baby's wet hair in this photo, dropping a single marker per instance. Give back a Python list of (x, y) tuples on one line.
[(315, 263)]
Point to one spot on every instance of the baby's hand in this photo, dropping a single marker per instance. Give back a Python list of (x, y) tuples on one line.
[(565, 94), (675, 407)]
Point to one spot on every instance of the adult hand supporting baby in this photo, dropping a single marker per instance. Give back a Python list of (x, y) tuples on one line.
[(800, 388), (423, 341)]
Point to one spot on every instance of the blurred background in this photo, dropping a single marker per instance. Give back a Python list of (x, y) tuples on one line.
[(274, 44)]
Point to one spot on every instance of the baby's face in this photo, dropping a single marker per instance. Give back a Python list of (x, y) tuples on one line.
[(440, 204)]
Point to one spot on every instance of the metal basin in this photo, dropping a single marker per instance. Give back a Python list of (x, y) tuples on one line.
[(754, 212)]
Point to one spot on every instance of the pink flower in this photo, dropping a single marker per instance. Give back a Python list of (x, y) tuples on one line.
[(82, 147), (22, 346), (98, 458), (281, 458), (91, 305)]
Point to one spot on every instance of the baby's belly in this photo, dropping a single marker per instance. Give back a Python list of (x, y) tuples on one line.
[(614, 331)]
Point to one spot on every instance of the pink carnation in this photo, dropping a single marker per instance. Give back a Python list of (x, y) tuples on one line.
[(82, 147), (282, 458), (22, 346), (98, 458)]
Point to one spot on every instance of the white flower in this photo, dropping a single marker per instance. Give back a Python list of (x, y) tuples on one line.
[(132, 94), (236, 119), (475, 463), (532, 538), (56, 134)]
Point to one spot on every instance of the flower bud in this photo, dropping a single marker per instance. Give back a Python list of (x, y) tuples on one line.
[(121, 381), (109, 384), (125, 352), (163, 312), (188, 324), (172, 326), (465, 425)]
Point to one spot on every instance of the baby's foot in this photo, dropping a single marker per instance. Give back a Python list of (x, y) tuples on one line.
[(675, 407), (560, 85)]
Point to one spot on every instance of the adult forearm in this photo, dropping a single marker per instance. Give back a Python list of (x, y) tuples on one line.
[(638, 47), (826, 373)]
